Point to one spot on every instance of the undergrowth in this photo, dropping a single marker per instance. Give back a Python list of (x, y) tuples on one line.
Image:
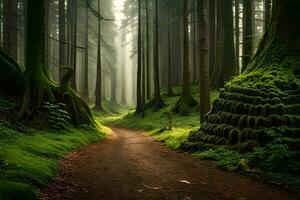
[(273, 162), (28, 159)]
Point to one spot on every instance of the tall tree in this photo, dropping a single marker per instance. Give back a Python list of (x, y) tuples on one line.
[(10, 28), (140, 108), (73, 52), (212, 37), (170, 91), (202, 8), (98, 90), (225, 55), (157, 100), (148, 78), (186, 100), (237, 35), (86, 56), (38, 87), (267, 13), (62, 37), (248, 32)]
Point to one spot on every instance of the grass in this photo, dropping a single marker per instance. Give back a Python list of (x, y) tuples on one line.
[(29, 160), (156, 122), (271, 163)]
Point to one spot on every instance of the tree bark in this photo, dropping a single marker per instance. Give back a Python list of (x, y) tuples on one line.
[(139, 101), (212, 37), (86, 56), (267, 13), (186, 100), (237, 35), (248, 32), (148, 85), (98, 92), (225, 56), (74, 42), (62, 37), (38, 87), (204, 69), (170, 91), (10, 28), (157, 102)]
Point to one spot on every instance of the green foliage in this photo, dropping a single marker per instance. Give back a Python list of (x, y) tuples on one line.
[(57, 116), (274, 161), (16, 191), (29, 160), (226, 158)]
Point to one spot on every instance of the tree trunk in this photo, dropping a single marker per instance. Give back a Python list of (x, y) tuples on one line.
[(267, 13), (212, 37), (10, 28), (62, 37), (139, 101), (225, 57), (204, 69), (170, 83), (194, 43), (248, 32), (157, 102), (74, 43), (86, 56), (261, 99), (38, 87), (148, 90), (186, 100), (237, 35), (98, 92)]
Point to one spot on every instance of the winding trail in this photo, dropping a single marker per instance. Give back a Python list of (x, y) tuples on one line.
[(130, 165)]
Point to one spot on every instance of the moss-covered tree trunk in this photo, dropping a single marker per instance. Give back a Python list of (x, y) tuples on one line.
[(38, 87), (261, 105), (186, 99)]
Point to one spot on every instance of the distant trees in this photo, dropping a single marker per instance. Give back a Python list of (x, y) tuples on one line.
[(169, 47), (186, 99)]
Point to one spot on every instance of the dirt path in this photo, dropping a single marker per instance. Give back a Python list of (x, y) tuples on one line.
[(131, 165)]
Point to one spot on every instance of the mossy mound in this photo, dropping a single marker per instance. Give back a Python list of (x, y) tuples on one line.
[(254, 109)]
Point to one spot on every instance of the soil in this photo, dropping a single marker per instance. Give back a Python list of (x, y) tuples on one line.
[(131, 165)]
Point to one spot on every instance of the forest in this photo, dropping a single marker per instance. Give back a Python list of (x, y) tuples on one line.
[(149, 99)]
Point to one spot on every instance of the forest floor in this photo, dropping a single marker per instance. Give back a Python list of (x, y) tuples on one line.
[(132, 165), (268, 164)]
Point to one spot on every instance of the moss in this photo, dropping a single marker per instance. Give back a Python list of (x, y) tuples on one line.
[(29, 160)]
